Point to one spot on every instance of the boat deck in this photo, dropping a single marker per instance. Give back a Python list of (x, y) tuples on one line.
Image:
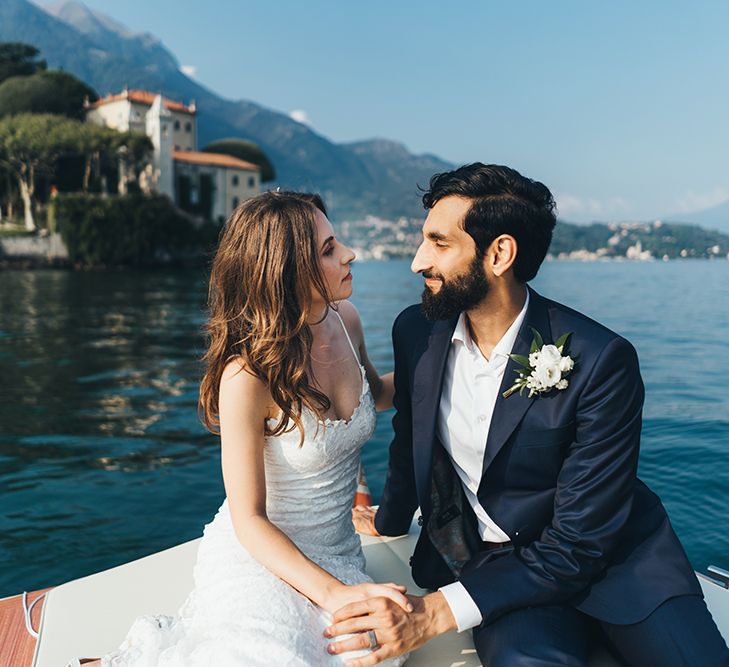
[(91, 615), (17, 644)]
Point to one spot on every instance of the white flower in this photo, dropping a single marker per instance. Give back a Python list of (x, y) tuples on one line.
[(533, 382), (562, 384), (566, 364), (548, 374), (533, 385), (533, 359), (548, 367), (549, 354)]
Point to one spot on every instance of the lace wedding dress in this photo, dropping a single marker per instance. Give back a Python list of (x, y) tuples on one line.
[(240, 614)]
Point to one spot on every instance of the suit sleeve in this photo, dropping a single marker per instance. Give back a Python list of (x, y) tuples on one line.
[(592, 503), (399, 498)]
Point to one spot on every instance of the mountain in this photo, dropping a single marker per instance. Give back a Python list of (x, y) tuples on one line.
[(376, 177), (716, 217), (111, 36), (78, 15), (392, 170)]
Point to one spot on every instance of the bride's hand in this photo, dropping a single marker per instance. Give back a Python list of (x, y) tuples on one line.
[(363, 519), (343, 595)]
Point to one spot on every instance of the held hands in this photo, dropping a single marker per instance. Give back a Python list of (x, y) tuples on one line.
[(397, 630), (363, 519), (343, 596)]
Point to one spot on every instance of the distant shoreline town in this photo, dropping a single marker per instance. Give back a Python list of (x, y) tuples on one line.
[(378, 239), (375, 238)]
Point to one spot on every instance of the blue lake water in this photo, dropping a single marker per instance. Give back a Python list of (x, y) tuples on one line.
[(103, 460)]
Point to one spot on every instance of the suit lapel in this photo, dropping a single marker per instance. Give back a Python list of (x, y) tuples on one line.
[(508, 412), (427, 384)]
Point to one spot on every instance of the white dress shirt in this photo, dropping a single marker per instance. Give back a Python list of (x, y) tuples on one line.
[(471, 384)]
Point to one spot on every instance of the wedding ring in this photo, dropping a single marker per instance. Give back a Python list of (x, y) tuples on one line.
[(373, 639)]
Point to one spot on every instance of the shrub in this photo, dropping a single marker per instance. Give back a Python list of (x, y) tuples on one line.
[(132, 230)]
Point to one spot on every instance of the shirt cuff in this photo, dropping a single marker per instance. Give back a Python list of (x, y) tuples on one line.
[(464, 609)]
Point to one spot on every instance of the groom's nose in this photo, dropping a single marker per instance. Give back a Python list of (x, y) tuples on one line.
[(421, 261)]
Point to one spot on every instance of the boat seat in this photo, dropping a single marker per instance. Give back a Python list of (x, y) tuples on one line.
[(91, 615)]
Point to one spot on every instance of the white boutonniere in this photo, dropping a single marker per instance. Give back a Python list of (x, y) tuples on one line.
[(544, 369)]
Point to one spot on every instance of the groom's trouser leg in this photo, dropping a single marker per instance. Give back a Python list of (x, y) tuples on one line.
[(535, 637), (679, 633)]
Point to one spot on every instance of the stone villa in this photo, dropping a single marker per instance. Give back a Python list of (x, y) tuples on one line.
[(211, 184)]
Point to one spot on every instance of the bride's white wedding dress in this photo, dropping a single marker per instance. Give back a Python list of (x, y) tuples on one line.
[(239, 613)]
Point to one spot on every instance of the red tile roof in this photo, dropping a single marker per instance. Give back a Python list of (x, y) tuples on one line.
[(215, 159), (143, 97)]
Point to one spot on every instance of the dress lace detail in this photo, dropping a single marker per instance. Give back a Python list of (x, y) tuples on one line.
[(239, 613)]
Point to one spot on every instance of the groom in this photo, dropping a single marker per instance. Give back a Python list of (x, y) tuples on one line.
[(536, 531)]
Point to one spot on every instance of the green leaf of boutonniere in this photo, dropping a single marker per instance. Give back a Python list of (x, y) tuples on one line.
[(562, 340), (538, 342), (520, 359)]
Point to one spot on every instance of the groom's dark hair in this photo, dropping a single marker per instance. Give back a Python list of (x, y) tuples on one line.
[(503, 202)]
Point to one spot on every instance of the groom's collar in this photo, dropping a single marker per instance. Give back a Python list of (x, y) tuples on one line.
[(462, 333)]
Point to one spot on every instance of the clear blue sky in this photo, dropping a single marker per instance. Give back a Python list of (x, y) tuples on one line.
[(621, 108)]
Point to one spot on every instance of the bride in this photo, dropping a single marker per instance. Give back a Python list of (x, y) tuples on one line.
[(291, 391)]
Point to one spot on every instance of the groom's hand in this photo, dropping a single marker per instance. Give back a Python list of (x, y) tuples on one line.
[(363, 518), (397, 631)]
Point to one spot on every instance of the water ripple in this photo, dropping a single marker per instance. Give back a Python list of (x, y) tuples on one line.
[(103, 459)]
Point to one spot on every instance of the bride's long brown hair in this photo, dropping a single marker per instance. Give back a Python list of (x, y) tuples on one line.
[(259, 304)]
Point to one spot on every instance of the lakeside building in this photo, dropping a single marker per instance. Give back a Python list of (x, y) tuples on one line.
[(209, 184)]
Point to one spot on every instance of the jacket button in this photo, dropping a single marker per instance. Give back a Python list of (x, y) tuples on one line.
[(410, 561), (420, 520)]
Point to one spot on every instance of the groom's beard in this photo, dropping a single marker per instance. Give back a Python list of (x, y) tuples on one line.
[(459, 293)]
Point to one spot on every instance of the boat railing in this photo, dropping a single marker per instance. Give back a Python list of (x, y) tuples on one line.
[(717, 575)]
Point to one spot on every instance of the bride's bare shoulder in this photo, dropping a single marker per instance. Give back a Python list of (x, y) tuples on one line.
[(236, 365), (238, 382)]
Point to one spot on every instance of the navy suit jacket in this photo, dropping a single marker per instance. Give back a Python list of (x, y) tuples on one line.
[(559, 477)]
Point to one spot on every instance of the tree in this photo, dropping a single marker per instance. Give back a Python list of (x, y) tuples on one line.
[(18, 59), (31, 144), (132, 151), (244, 150), (53, 92), (7, 192)]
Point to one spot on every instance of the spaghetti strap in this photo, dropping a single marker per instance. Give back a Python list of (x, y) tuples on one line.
[(349, 340)]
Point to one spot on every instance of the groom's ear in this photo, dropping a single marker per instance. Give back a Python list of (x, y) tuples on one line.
[(501, 254)]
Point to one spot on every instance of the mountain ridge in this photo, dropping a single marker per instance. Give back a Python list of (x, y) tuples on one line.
[(715, 217), (76, 14)]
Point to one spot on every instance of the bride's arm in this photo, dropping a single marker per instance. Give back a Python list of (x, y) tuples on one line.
[(382, 386), (244, 404)]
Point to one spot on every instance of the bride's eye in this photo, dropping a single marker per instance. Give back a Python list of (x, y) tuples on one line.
[(328, 251)]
